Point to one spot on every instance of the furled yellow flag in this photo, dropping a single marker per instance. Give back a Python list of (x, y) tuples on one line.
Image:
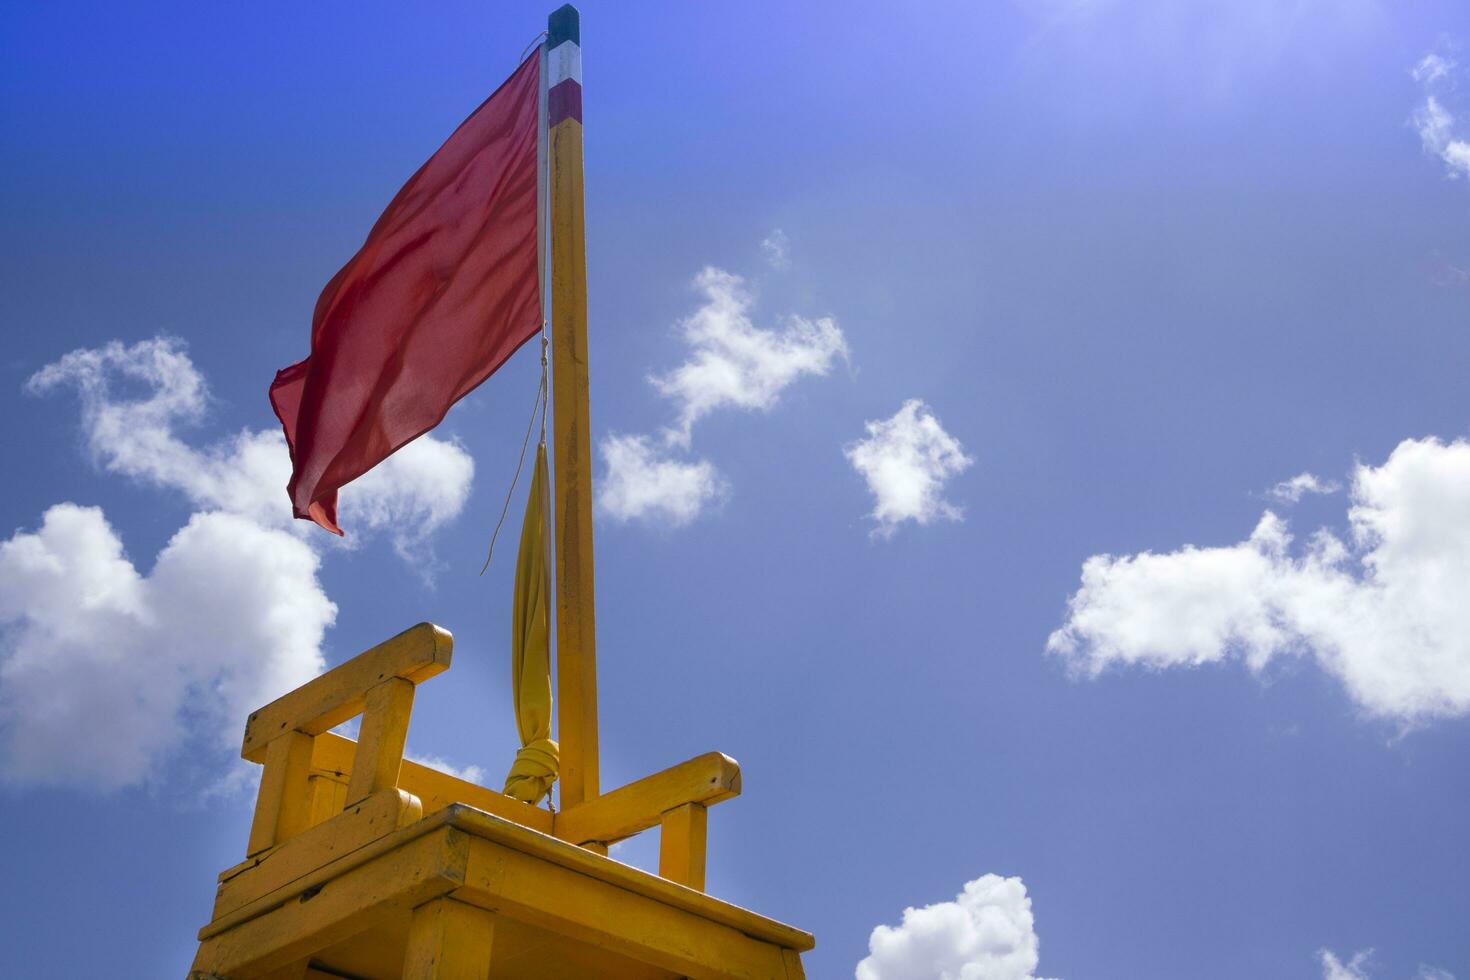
[(535, 767)]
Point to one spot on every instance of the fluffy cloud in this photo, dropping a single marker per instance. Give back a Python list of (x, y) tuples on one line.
[(986, 933), (1293, 490), (1434, 123), (1358, 966), (1383, 611), (1335, 969), (906, 460), (410, 495), (734, 363), (643, 481), (106, 671)]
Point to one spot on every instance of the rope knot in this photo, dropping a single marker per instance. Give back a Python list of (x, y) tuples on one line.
[(533, 772)]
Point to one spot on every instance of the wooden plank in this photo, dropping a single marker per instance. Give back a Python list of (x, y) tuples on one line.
[(502, 874), (545, 850), (626, 877), (366, 897), (375, 817), (449, 940), (707, 779), (576, 644), (597, 911), (294, 889), (282, 803), (793, 965), (323, 703), (381, 739), (332, 757), (681, 845), (328, 795)]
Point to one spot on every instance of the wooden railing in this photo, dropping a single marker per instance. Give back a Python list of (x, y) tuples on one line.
[(313, 777)]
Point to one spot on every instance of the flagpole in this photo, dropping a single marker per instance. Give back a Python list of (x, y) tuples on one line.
[(576, 646)]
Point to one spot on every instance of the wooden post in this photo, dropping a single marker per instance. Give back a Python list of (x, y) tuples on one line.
[(282, 807), (449, 940), (681, 846), (576, 646), (380, 739)]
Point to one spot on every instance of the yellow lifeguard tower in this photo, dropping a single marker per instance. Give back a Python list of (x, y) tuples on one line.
[(365, 865), (361, 864)]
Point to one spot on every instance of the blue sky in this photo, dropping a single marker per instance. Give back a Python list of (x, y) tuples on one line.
[(1139, 261)]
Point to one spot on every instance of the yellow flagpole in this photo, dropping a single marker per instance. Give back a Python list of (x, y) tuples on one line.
[(576, 646)]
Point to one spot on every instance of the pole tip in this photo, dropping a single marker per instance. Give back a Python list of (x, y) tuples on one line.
[(564, 24)]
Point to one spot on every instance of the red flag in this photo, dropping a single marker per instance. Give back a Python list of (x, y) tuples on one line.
[(443, 291)]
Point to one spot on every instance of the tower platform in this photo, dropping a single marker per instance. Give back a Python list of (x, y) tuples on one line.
[(362, 865)]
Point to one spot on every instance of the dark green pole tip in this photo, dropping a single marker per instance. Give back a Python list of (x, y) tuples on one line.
[(564, 24)]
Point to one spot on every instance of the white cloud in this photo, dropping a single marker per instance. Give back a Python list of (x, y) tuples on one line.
[(644, 481), (1384, 611), (1335, 969), (777, 249), (1434, 123), (1357, 967), (106, 672), (986, 933), (1431, 68), (1291, 491), (906, 460), (734, 363), (410, 495)]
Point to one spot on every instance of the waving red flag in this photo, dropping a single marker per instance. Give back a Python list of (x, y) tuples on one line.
[(444, 290)]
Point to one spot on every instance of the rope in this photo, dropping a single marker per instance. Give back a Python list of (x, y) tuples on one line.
[(545, 387), (534, 41), (540, 402)]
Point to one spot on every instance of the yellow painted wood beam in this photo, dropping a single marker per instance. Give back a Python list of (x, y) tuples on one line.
[(374, 818), (576, 643), (369, 896), (792, 960), (449, 940), (300, 970), (381, 739), (328, 794), (332, 757), (640, 805), (597, 911), (325, 702), (282, 805), (626, 877), (681, 845), (467, 822)]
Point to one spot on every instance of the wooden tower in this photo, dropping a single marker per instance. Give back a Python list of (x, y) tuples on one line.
[(364, 865), (361, 864)]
